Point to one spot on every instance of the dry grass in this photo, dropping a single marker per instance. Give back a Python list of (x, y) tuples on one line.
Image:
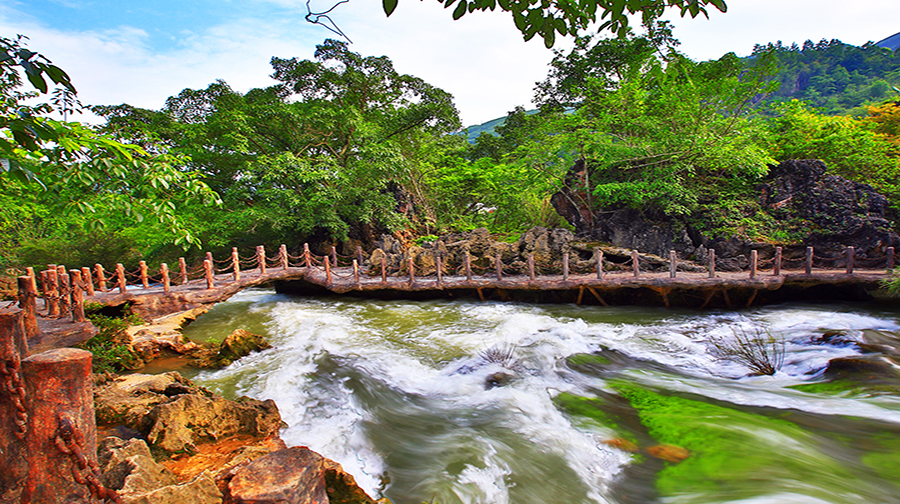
[(759, 350)]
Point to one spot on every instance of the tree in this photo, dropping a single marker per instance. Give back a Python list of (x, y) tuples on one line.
[(94, 170), (549, 17)]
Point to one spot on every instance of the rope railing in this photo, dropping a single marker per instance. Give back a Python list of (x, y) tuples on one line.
[(62, 290)]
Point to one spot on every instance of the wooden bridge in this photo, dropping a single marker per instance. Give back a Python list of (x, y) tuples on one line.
[(64, 292)]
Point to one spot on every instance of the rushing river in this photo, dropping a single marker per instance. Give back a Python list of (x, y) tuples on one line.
[(471, 402)]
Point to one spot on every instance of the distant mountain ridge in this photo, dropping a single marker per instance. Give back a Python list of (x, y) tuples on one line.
[(892, 42)]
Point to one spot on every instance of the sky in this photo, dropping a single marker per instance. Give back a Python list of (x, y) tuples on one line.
[(141, 52)]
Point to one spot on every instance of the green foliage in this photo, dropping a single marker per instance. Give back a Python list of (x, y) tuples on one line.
[(549, 17), (891, 285), (111, 354)]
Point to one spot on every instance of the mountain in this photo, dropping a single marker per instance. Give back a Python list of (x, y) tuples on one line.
[(892, 42)]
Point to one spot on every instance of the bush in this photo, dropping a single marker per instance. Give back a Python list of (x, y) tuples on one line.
[(759, 350)]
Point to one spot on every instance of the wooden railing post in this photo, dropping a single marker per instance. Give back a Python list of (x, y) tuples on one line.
[(565, 266), (499, 265), (235, 264), (283, 255), (30, 272), (306, 256), (120, 276), (45, 292), (531, 266), (327, 263), (144, 279), (182, 270), (412, 270), (77, 296), (439, 267), (261, 258), (209, 257), (359, 255), (890, 259), (673, 266), (776, 271), (164, 272), (851, 255), (635, 263), (101, 277), (468, 267), (809, 260), (88, 281), (754, 262), (599, 255), (356, 272), (28, 304), (711, 263), (208, 273), (65, 291), (334, 262), (383, 269)]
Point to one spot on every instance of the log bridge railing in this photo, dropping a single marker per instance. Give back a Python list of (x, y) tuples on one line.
[(64, 291)]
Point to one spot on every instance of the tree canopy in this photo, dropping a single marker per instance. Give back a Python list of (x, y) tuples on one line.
[(564, 17)]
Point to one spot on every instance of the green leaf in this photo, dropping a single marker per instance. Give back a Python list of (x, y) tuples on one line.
[(460, 9), (389, 6)]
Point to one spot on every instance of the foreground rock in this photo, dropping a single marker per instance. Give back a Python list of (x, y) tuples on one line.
[(188, 445)]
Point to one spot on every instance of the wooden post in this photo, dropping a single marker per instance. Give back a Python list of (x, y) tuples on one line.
[(51, 293), (60, 402), (28, 304), (890, 259), (261, 258), (809, 260), (208, 273), (306, 256), (851, 253), (88, 281), (356, 272), (673, 266), (777, 268), (439, 266), (164, 271), (327, 270), (144, 279), (45, 289), (635, 263), (565, 266), (283, 255), (412, 270), (499, 265), (711, 263), (235, 264), (213, 263), (754, 262), (531, 266), (182, 268), (468, 266), (383, 269), (77, 296), (359, 255), (65, 291), (599, 264), (101, 277), (120, 275), (30, 272), (334, 256)]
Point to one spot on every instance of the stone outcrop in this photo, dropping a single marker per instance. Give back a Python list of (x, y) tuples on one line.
[(837, 212), (546, 245), (174, 415)]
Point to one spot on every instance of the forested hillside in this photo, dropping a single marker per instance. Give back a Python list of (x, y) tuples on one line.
[(343, 148)]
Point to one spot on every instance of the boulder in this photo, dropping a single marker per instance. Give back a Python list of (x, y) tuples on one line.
[(293, 475), (240, 343)]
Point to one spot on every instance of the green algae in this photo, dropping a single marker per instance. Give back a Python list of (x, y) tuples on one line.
[(885, 459), (734, 453), (593, 409), (848, 387), (583, 359)]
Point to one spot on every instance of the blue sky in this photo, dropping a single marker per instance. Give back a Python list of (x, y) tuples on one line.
[(141, 52)]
